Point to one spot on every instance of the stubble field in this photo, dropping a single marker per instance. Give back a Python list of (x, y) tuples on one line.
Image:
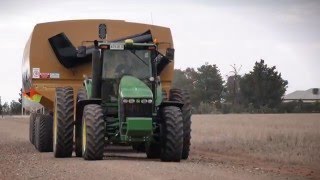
[(233, 146), (292, 139)]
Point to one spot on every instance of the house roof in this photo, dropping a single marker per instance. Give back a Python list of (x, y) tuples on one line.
[(310, 94)]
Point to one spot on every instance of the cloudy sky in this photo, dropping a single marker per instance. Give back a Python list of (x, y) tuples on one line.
[(284, 33)]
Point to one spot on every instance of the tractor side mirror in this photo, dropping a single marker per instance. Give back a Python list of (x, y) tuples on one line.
[(82, 50), (170, 53)]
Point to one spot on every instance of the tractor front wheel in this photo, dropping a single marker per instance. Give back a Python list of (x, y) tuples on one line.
[(172, 134), (183, 96), (93, 132)]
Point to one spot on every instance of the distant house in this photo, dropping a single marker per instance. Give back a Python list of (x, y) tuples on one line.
[(310, 95)]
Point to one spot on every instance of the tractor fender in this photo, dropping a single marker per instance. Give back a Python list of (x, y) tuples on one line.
[(80, 106), (171, 103)]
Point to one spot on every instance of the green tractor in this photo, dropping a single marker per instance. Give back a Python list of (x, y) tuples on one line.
[(123, 103)]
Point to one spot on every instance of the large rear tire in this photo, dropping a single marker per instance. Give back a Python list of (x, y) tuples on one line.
[(93, 132), (82, 95), (183, 96), (43, 133), (32, 127), (63, 123), (172, 134)]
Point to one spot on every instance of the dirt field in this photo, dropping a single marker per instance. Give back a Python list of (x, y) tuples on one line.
[(223, 147)]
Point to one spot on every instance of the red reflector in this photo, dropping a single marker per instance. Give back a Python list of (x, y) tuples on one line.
[(104, 47), (152, 47)]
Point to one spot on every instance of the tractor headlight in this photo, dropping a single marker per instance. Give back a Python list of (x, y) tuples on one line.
[(125, 100), (149, 101), (131, 101), (144, 101)]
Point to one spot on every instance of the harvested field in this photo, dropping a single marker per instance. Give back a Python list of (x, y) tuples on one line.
[(223, 147), (289, 138)]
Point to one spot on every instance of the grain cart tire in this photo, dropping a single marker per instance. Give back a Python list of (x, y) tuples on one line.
[(172, 134), (82, 95), (63, 122), (43, 133), (93, 131), (32, 127), (183, 96)]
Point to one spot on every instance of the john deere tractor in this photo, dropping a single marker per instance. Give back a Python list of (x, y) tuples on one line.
[(123, 103)]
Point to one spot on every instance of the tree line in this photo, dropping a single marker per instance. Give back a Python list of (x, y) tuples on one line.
[(258, 91), (12, 108)]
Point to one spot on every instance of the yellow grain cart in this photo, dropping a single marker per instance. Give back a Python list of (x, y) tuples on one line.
[(42, 72)]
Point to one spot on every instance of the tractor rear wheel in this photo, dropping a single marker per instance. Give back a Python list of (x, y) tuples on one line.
[(43, 133), (172, 134), (32, 127), (82, 95), (93, 132), (183, 96), (63, 122)]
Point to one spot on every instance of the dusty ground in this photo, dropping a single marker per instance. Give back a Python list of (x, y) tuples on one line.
[(222, 156)]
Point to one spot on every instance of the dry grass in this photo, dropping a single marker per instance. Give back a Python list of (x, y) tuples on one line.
[(285, 138)]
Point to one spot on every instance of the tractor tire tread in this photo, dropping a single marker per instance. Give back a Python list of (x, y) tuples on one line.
[(172, 136), (95, 128), (43, 133), (183, 96), (65, 124)]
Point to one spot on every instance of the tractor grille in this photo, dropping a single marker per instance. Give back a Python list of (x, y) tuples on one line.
[(137, 110)]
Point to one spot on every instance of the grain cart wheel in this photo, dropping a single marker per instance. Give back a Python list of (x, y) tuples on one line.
[(93, 131), (184, 97), (63, 122), (82, 95), (31, 127), (172, 134), (43, 133)]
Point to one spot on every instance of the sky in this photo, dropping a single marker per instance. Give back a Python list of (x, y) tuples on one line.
[(285, 33)]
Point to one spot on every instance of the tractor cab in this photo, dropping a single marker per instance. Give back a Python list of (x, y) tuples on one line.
[(127, 72)]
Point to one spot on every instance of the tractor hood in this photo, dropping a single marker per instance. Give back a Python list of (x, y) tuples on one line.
[(131, 87)]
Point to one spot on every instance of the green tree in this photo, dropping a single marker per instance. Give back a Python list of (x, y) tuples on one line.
[(5, 108), (182, 81), (15, 107), (208, 83), (263, 87)]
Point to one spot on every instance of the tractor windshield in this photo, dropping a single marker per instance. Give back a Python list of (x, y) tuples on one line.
[(117, 63)]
